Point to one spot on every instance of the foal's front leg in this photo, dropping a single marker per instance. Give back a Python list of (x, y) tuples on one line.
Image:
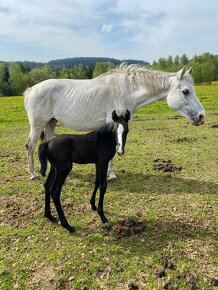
[(92, 200), (102, 170)]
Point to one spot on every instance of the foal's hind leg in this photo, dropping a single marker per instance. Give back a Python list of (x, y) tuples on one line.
[(48, 184), (56, 191)]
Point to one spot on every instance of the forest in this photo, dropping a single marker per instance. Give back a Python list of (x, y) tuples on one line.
[(15, 77)]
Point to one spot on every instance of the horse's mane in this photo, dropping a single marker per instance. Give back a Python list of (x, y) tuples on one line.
[(155, 81)]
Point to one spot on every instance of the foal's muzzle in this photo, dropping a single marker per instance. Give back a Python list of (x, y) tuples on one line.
[(120, 151)]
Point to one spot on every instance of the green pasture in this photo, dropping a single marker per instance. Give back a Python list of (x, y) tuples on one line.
[(178, 209)]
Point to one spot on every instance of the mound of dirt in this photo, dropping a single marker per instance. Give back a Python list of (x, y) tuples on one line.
[(165, 166), (214, 126), (128, 227)]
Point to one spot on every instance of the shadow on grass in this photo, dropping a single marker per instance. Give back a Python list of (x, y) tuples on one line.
[(156, 236), (159, 234), (158, 184), (159, 231)]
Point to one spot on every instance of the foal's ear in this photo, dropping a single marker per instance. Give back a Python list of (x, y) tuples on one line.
[(114, 116), (127, 116)]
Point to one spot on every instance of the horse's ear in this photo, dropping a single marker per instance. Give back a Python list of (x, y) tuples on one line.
[(189, 71), (181, 72), (127, 116), (114, 116)]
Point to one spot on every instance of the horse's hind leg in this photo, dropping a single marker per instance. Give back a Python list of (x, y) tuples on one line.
[(50, 128), (30, 146)]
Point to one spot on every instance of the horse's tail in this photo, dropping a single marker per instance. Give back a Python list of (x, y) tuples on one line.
[(42, 153), (26, 95), (42, 136)]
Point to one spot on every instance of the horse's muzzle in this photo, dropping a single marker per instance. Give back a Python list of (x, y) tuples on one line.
[(199, 120)]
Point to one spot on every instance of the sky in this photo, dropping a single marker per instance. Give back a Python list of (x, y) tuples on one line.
[(43, 30)]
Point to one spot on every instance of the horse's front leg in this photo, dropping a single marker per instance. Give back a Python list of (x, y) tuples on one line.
[(110, 172), (103, 187)]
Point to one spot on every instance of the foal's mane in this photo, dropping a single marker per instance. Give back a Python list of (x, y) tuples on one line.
[(154, 81)]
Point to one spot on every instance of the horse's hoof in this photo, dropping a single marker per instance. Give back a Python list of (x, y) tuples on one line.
[(112, 176), (34, 177)]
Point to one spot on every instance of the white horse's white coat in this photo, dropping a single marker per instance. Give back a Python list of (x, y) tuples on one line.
[(86, 105)]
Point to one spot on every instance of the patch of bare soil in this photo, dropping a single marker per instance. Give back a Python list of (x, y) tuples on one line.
[(184, 139), (18, 211), (128, 227), (44, 276), (190, 279), (174, 118), (4, 154), (165, 166)]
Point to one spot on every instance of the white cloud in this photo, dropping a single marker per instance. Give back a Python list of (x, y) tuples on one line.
[(141, 29), (107, 28)]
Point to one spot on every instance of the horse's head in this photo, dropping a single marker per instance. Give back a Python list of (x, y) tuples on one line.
[(121, 130), (182, 97)]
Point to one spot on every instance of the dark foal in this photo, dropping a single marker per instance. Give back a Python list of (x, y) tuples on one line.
[(97, 147)]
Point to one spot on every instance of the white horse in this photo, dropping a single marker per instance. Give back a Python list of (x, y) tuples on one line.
[(86, 105)]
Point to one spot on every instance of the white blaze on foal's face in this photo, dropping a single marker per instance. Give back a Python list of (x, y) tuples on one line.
[(120, 130)]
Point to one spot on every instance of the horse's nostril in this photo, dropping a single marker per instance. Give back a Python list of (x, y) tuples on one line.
[(201, 117)]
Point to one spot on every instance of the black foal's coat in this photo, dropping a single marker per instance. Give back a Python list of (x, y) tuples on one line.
[(97, 147)]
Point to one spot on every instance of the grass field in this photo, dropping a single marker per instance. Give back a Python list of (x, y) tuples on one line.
[(177, 247)]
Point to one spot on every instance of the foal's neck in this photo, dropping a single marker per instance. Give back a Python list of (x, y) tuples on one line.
[(108, 134)]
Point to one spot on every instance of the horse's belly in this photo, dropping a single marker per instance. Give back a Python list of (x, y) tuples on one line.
[(82, 124)]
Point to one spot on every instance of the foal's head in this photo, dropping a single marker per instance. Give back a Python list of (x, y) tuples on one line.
[(121, 130)]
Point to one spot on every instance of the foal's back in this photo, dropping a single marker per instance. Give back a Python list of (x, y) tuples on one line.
[(81, 149)]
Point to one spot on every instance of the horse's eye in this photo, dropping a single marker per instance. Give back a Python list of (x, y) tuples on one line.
[(185, 92)]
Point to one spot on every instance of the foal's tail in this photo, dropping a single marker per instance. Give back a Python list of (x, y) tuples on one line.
[(42, 153)]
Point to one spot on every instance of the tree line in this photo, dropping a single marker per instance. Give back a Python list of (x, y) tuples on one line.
[(15, 77), (205, 66)]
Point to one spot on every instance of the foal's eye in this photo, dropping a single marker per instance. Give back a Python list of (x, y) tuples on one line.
[(185, 92)]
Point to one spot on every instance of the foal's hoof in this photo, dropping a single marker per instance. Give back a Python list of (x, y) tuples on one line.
[(71, 229), (52, 219), (93, 207), (104, 220)]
